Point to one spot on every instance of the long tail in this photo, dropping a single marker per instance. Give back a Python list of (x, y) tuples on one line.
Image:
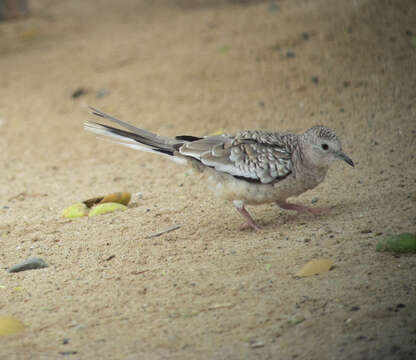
[(135, 138)]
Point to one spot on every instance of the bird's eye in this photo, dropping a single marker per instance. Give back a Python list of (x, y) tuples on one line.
[(325, 146)]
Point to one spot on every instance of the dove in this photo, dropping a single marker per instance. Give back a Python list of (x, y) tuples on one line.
[(249, 167)]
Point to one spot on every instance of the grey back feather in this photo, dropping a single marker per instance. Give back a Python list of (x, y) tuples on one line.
[(255, 155)]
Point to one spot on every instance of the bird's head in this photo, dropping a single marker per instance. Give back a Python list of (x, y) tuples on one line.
[(323, 146)]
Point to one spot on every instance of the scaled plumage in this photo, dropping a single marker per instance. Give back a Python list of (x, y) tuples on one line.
[(249, 167)]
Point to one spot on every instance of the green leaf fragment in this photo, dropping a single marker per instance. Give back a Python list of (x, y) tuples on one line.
[(401, 243)]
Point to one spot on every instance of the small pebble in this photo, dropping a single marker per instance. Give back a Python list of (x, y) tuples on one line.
[(65, 353), (314, 200), (290, 55), (102, 93), (78, 93), (355, 308), (315, 80), (257, 343), (29, 264), (138, 196)]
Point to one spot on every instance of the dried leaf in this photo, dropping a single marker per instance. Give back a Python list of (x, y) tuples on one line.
[(315, 267), (93, 201), (118, 197), (10, 325)]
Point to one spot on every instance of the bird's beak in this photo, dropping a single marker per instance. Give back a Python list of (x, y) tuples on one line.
[(344, 157)]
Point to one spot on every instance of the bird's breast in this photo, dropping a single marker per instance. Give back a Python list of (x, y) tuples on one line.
[(230, 188)]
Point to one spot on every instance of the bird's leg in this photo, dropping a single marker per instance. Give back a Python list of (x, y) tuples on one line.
[(302, 209), (239, 205)]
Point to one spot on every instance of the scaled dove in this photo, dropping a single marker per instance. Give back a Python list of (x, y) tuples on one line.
[(249, 167)]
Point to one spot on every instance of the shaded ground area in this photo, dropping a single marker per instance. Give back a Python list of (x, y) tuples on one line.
[(207, 290)]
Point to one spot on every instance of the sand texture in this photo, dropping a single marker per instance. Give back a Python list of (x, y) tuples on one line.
[(206, 290)]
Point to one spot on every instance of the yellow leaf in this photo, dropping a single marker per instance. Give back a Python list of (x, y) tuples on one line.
[(29, 34), (74, 211), (315, 267), (10, 325), (106, 208)]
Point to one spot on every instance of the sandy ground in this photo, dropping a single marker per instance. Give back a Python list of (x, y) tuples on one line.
[(207, 290)]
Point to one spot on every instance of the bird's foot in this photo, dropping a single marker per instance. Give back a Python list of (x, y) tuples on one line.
[(300, 209), (247, 226), (250, 223)]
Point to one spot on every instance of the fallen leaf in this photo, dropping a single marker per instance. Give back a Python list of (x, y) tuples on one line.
[(75, 210), (118, 197), (10, 325), (315, 267), (93, 201), (296, 320), (106, 208), (268, 267), (29, 34), (401, 243)]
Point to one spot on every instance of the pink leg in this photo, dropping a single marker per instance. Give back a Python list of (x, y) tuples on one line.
[(249, 220), (303, 209)]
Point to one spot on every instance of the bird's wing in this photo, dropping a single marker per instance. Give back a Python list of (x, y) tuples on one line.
[(258, 156)]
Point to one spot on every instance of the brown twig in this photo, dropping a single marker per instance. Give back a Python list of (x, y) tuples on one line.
[(156, 234)]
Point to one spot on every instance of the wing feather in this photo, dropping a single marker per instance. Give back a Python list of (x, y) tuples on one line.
[(265, 157)]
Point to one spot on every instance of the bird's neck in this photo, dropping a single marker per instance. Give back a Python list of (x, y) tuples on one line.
[(307, 170)]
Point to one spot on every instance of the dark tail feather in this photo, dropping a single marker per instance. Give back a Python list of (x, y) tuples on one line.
[(136, 138)]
